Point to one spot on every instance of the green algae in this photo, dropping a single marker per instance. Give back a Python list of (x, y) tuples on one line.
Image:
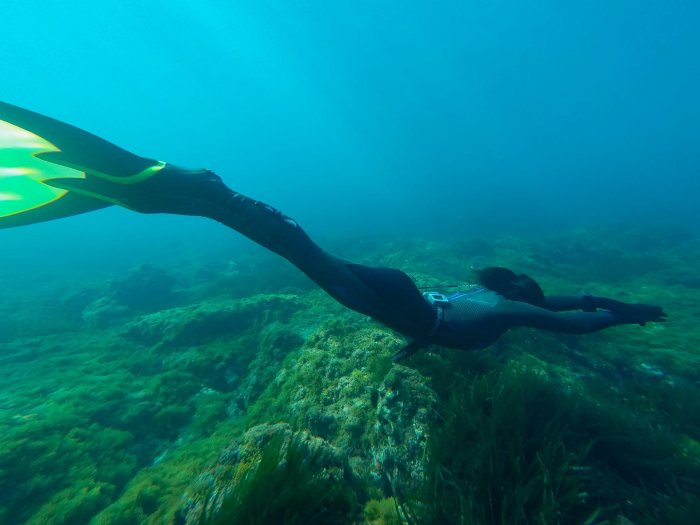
[(277, 476), (515, 445), (382, 512), (112, 423)]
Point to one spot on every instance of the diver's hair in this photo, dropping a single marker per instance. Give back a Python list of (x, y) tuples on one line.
[(511, 286)]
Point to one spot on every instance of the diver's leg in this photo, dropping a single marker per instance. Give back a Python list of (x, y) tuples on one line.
[(386, 294), (202, 192), (273, 230), (182, 191)]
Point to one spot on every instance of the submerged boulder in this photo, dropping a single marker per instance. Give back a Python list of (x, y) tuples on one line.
[(104, 311), (194, 325), (147, 287), (404, 417), (273, 474)]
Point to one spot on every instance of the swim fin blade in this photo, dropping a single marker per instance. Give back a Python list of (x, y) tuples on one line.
[(50, 169)]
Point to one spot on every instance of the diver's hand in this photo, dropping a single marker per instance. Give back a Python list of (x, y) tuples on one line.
[(638, 313)]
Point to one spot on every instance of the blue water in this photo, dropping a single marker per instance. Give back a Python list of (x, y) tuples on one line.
[(366, 121), (447, 118)]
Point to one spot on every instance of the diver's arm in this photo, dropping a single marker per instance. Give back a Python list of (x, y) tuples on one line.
[(627, 313), (562, 303), (513, 313)]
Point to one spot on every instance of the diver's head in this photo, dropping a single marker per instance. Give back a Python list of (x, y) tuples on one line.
[(511, 286)]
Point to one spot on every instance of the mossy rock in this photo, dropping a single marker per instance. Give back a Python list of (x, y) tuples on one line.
[(405, 415), (272, 475), (196, 325)]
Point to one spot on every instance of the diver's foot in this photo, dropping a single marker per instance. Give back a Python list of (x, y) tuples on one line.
[(181, 191)]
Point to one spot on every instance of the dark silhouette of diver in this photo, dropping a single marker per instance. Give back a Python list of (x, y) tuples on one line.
[(466, 320), (72, 171)]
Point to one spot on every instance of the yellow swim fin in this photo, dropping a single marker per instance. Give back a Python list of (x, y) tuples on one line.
[(36, 150)]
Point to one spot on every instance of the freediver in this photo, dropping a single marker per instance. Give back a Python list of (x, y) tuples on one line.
[(74, 171)]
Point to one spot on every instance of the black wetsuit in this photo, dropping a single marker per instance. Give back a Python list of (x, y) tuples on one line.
[(477, 318), (470, 320), (467, 321)]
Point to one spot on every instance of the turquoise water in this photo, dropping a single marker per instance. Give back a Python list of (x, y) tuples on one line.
[(559, 140)]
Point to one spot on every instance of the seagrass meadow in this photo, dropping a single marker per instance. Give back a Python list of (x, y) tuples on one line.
[(233, 391)]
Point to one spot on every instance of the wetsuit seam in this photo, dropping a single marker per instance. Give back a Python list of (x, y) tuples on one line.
[(439, 316)]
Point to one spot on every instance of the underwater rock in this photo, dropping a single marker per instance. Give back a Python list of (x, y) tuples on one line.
[(192, 325), (78, 300), (145, 288), (275, 343), (218, 277), (590, 256), (8, 326), (331, 386), (405, 414), (683, 279), (243, 477), (651, 370), (103, 312)]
